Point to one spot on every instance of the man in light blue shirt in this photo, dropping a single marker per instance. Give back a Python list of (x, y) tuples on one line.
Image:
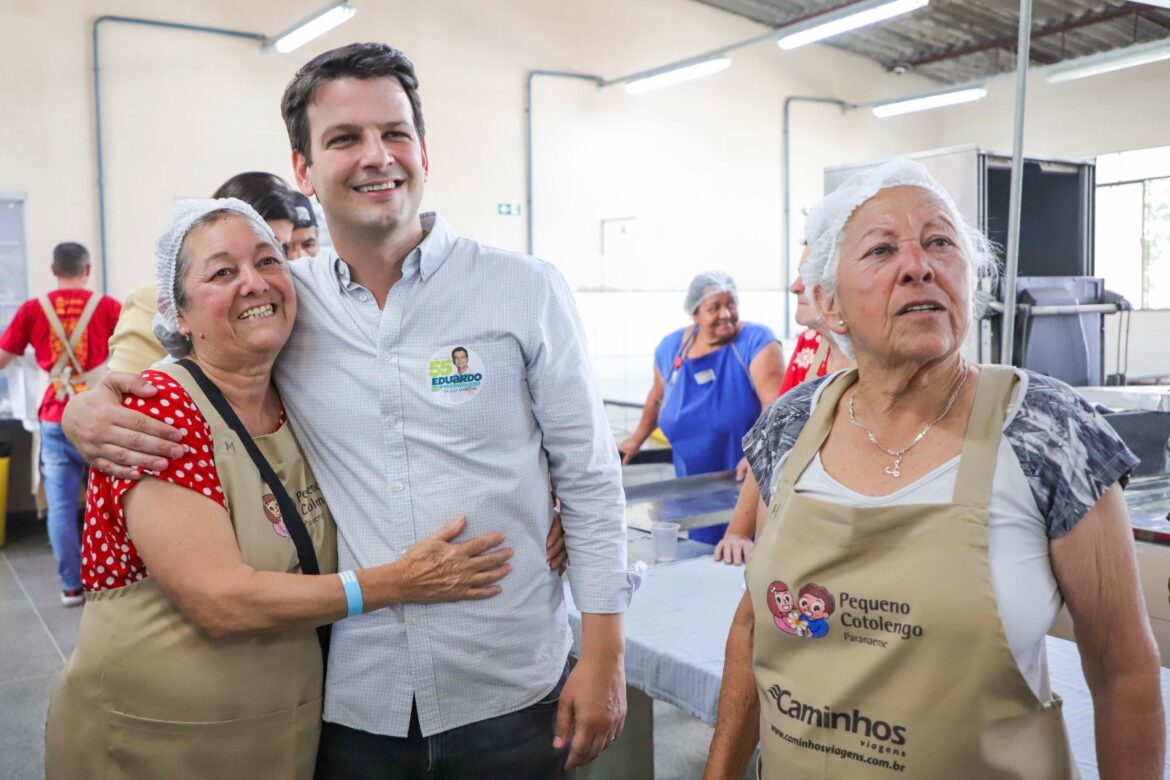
[(400, 440)]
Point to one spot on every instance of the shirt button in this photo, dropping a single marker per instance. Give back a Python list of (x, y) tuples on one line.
[(363, 298), (391, 420), (398, 487)]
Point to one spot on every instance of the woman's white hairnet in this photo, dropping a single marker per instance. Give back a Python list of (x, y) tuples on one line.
[(705, 284), (166, 261), (825, 227)]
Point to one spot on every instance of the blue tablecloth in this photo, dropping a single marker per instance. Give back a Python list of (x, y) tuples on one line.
[(676, 631)]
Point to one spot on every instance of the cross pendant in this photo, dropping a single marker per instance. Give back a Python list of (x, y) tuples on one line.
[(895, 470)]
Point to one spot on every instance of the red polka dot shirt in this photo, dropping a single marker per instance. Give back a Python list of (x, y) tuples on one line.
[(108, 557)]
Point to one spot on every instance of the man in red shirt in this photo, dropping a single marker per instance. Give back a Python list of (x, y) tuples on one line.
[(70, 331)]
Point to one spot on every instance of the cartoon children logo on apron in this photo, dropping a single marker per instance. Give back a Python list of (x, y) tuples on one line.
[(455, 374), (272, 512), (807, 617)]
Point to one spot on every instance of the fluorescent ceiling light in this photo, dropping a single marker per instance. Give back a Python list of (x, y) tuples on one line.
[(848, 18), (675, 75), (309, 28), (1159, 3), (937, 100), (1108, 61)]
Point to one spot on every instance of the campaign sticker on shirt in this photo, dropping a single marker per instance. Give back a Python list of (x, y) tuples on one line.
[(456, 374)]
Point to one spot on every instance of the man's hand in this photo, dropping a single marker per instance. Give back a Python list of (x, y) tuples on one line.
[(439, 569), (115, 438), (733, 549), (741, 469), (592, 706), (554, 545)]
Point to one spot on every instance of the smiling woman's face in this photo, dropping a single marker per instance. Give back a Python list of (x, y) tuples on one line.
[(240, 304), (718, 317), (902, 285)]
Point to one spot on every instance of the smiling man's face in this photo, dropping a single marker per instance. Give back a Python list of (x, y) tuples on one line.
[(369, 165)]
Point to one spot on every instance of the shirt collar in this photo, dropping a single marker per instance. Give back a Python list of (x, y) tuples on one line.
[(424, 259), (436, 247)]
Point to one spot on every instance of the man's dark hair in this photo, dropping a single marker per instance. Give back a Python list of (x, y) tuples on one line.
[(70, 259), (355, 61), (458, 349), (266, 192)]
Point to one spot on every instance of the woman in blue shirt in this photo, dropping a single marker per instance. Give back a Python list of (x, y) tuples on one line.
[(711, 380)]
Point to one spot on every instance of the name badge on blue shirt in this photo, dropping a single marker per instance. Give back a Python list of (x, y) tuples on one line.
[(703, 377)]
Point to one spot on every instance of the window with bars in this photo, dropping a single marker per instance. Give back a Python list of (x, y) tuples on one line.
[(1133, 225)]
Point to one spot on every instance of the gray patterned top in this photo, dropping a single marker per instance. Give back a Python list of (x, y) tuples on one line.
[(1068, 452)]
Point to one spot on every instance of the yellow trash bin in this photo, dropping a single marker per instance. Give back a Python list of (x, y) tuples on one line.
[(5, 456)]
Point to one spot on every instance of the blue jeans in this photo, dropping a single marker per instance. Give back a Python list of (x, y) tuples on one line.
[(516, 746), (63, 471)]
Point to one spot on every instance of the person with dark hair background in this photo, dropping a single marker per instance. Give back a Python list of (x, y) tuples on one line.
[(305, 240), (270, 196), (70, 329)]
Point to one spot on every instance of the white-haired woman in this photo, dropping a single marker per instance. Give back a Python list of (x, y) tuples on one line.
[(197, 654), (711, 379), (927, 517)]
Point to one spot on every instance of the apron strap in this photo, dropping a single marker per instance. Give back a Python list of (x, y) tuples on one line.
[(984, 431), (288, 510), (743, 364), (680, 357), (61, 373), (816, 430)]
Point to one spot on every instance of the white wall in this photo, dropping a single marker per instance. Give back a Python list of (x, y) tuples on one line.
[(699, 168), (699, 165), (1147, 357), (1113, 112)]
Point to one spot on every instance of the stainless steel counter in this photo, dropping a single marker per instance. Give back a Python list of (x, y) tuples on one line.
[(692, 502)]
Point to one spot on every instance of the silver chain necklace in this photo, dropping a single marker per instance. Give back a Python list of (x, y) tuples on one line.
[(896, 470)]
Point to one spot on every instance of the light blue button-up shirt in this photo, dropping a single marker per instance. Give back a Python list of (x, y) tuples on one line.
[(401, 442)]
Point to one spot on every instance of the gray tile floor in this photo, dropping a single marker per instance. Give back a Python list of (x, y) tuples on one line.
[(37, 634)]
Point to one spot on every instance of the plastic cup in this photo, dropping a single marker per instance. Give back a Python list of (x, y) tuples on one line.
[(665, 537)]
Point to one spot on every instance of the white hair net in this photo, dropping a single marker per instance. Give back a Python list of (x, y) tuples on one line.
[(166, 261), (705, 284), (826, 221)]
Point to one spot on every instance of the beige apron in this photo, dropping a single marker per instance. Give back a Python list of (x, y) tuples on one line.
[(147, 694), (907, 672)]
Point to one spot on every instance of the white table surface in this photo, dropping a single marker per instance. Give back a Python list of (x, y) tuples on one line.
[(1148, 398), (676, 631)]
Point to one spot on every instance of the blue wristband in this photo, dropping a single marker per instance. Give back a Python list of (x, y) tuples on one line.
[(353, 592)]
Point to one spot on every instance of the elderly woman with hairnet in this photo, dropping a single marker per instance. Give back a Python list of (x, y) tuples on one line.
[(927, 518), (711, 379), (197, 654)]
